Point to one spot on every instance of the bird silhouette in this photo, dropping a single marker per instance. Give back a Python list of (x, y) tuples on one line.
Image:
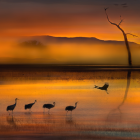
[(70, 108), (106, 8), (12, 107), (104, 87), (49, 106), (124, 4), (29, 106)]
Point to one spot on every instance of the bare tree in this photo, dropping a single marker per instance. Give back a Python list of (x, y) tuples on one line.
[(125, 37)]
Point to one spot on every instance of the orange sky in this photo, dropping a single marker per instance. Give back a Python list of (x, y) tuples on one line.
[(66, 19)]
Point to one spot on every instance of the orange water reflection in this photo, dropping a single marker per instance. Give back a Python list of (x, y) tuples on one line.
[(95, 110)]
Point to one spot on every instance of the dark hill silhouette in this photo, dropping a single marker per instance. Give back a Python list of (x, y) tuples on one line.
[(74, 50), (51, 39)]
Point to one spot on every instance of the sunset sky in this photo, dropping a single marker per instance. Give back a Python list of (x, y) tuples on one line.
[(65, 18)]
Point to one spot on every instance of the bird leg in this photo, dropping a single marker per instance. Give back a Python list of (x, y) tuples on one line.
[(49, 111), (107, 92), (66, 112)]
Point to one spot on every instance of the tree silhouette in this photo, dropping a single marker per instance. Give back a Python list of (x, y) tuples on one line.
[(125, 37)]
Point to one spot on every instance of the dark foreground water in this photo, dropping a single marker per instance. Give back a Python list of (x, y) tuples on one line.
[(98, 115)]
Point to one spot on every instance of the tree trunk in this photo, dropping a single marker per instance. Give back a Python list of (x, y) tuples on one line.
[(125, 39)]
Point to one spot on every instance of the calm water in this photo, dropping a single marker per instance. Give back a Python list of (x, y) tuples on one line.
[(115, 115)]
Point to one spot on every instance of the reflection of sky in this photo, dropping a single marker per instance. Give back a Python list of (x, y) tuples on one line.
[(92, 108), (67, 92)]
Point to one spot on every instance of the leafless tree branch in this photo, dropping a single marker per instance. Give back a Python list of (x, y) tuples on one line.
[(120, 22), (125, 37), (108, 18), (132, 34)]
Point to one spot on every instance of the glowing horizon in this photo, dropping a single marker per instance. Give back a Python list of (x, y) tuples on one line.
[(67, 19)]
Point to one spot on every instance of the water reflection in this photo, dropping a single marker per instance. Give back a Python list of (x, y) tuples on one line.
[(127, 87), (49, 119), (14, 123), (92, 113), (116, 114), (28, 117), (28, 113), (69, 120), (11, 121)]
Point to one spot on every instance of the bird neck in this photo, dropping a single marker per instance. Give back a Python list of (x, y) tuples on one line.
[(75, 105), (15, 101), (53, 104)]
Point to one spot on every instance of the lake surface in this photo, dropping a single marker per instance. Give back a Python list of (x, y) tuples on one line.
[(98, 115)]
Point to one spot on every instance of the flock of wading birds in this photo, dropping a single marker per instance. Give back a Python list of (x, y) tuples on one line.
[(49, 106)]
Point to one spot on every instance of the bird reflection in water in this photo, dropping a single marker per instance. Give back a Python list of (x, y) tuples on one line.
[(49, 119), (28, 114), (70, 122), (116, 114), (29, 118), (11, 121)]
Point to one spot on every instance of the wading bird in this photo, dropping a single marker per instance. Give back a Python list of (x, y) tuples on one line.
[(104, 87), (70, 108), (29, 106), (49, 106), (12, 107)]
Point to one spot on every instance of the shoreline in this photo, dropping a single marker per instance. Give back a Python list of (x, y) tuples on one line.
[(67, 68)]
